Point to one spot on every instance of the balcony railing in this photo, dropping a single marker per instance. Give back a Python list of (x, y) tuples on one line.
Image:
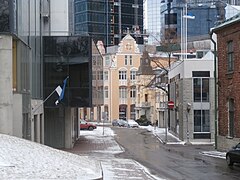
[(145, 104)]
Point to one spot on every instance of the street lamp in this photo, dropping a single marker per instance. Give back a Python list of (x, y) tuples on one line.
[(185, 16), (187, 115)]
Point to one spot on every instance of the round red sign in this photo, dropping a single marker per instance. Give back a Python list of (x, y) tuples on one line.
[(170, 104)]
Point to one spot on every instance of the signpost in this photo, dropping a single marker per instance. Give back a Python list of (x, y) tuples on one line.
[(170, 104)]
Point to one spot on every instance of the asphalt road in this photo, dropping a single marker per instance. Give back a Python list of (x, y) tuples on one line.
[(173, 162)]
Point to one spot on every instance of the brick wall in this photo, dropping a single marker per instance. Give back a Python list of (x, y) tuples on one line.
[(228, 83)]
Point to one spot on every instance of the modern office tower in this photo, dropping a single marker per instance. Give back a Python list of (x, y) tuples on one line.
[(162, 17), (108, 20), (206, 14), (152, 21)]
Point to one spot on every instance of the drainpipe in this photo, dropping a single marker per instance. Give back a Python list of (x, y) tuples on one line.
[(215, 87)]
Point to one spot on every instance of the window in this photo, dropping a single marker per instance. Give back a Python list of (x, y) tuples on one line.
[(201, 86), (201, 89), (99, 75), (133, 92), (133, 75), (106, 75), (126, 60), (105, 92), (107, 60), (133, 114), (231, 118), (146, 97), (122, 75), (230, 59), (123, 92), (100, 92), (201, 121), (122, 111), (130, 60)]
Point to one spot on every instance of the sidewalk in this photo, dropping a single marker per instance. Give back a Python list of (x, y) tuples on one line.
[(100, 145), (169, 138)]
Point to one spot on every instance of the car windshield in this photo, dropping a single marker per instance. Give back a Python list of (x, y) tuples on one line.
[(83, 122)]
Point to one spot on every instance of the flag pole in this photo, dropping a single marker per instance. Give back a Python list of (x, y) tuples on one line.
[(44, 101), (61, 96)]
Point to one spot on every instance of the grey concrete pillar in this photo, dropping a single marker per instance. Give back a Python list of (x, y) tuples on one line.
[(6, 94)]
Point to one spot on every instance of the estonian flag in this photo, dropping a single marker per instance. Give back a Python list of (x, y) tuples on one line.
[(189, 16), (61, 91)]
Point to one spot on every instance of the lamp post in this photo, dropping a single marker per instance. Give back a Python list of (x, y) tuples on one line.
[(187, 116)]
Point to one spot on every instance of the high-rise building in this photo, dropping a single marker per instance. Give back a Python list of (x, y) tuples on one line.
[(108, 20), (161, 17), (152, 20)]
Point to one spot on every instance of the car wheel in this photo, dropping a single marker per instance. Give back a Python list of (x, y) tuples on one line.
[(90, 128), (229, 161)]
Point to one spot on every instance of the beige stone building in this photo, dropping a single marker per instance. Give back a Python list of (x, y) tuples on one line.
[(120, 69), (151, 100)]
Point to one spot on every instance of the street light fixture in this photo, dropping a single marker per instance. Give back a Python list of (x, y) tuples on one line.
[(187, 116)]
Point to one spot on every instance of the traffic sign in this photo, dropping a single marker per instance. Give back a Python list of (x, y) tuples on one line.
[(170, 104)]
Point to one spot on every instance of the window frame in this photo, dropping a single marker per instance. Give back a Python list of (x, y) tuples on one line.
[(122, 75), (230, 56)]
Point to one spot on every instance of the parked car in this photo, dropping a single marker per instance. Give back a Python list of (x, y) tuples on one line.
[(144, 123), (132, 124), (115, 122), (84, 125), (119, 122), (233, 155), (122, 123)]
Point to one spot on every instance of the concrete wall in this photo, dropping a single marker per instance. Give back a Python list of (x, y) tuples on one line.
[(17, 115), (6, 95), (59, 21), (186, 120), (69, 127), (37, 121)]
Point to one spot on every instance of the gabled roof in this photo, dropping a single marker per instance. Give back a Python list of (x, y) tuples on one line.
[(145, 67), (233, 20)]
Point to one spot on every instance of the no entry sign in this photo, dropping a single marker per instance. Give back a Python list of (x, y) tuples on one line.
[(170, 104)]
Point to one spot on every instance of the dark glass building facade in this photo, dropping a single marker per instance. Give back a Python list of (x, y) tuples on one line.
[(108, 20), (207, 14), (73, 57), (77, 58)]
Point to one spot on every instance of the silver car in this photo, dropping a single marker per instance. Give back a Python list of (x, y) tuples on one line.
[(132, 124), (122, 123)]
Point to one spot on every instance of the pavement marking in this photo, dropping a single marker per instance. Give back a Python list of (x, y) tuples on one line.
[(215, 154)]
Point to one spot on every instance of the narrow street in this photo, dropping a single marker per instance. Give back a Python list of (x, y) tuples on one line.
[(101, 146), (172, 161), (136, 153)]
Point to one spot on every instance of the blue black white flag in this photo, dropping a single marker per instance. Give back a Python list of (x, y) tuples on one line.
[(189, 16), (60, 91)]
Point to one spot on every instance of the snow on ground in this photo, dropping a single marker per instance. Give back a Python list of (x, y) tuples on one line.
[(103, 135), (23, 159), (115, 168)]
